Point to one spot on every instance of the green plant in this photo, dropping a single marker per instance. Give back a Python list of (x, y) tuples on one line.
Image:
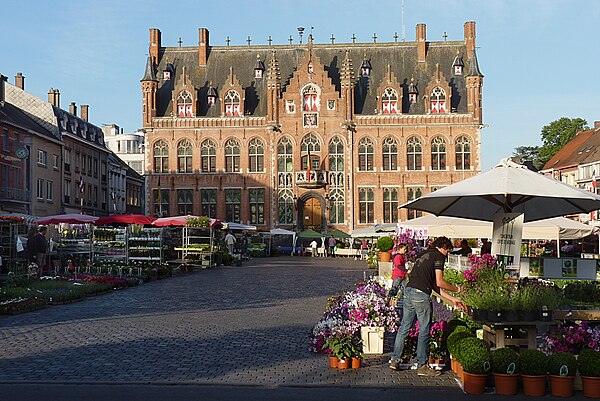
[(562, 364), (356, 347), (454, 339), (504, 360), (385, 243), (473, 355), (341, 345), (588, 363), (533, 362)]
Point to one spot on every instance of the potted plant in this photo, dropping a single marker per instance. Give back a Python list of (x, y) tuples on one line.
[(356, 347), (460, 333), (341, 348), (474, 357), (385, 245), (588, 364), (533, 367), (504, 366), (562, 367)]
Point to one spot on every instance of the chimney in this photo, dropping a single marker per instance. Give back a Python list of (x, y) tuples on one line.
[(203, 46), (56, 98), (84, 111), (154, 45), (73, 109), (596, 123), (2, 86), (20, 81), (470, 38), (421, 42)]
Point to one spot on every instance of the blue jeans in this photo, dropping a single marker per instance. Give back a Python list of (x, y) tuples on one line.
[(417, 305)]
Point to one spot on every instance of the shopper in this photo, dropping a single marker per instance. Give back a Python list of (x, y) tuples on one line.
[(230, 241)]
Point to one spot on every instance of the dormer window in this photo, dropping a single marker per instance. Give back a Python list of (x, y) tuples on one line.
[(389, 101), (166, 75), (365, 68), (259, 68), (458, 65), (438, 100), (184, 104), (211, 96), (458, 70), (412, 92), (310, 68), (232, 104)]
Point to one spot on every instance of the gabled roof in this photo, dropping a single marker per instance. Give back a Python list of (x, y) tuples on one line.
[(20, 119), (583, 148)]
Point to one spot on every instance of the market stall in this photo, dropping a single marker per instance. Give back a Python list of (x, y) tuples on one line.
[(13, 241)]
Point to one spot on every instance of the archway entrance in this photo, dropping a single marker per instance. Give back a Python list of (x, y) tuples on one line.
[(312, 215)]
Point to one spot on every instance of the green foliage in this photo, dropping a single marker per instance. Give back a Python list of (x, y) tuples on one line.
[(581, 292), (454, 276), (454, 339), (588, 363), (202, 221), (559, 360), (533, 362), (504, 360), (385, 243), (474, 355), (556, 134), (343, 345), (528, 153)]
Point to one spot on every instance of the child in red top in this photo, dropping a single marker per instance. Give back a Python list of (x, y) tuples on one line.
[(398, 274)]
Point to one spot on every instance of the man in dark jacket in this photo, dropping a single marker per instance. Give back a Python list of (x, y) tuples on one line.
[(427, 276), (40, 248)]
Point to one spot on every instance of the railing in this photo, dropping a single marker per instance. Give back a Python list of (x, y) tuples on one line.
[(15, 194), (312, 179)]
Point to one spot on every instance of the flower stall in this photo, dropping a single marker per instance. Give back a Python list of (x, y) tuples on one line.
[(13, 242)]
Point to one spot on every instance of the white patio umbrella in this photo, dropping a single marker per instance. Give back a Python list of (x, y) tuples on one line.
[(508, 188)]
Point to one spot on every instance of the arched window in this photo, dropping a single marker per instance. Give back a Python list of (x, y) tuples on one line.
[(285, 207), (389, 101), (365, 154), (336, 206), (463, 153), (366, 201), (414, 154), (310, 98), (438, 100), (232, 104), (390, 154), (438, 154), (184, 157), (284, 156), (390, 205), (232, 156), (184, 104), (336, 154), (412, 194), (311, 146), (161, 157), (208, 155), (256, 151)]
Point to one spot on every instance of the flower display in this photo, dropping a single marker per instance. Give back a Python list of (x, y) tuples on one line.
[(412, 246), (573, 339), (478, 263)]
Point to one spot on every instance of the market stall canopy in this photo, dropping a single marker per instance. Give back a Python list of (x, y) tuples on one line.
[(18, 218), (510, 188), (124, 219), (281, 231), (338, 234), (73, 218), (309, 233), (453, 227), (378, 230), (181, 221), (238, 226)]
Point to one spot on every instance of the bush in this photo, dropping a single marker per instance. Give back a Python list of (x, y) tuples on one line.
[(562, 364), (533, 362), (504, 360), (454, 339), (588, 363), (385, 244), (473, 355)]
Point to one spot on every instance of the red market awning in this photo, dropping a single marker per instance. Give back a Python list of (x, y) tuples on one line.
[(124, 219), (67, 218)]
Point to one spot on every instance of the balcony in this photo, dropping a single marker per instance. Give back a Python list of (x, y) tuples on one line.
[(316, 179), (14, 194)]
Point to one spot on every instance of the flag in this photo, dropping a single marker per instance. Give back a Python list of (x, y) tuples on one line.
[(308, 165), (158, 190), (594, 183), (81, 184)]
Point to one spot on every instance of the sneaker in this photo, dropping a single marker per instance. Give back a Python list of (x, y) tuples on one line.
[(427, 371), (395, 365)]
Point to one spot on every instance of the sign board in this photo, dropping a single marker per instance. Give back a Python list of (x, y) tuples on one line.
[(418, 233), (506, 240), (22, 153)]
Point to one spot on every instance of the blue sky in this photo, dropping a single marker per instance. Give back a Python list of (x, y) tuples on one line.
[(539, 57)]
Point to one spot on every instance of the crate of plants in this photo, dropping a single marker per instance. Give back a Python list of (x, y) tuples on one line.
[(15, 306)]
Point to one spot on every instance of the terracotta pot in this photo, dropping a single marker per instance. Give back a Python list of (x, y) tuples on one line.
[(474, 384), (534, 386), (356, 362), (453, 364), (385, 256), (344, 363), (459, 371), (506, 384), (591, 386), (333, 362), (562, 386)]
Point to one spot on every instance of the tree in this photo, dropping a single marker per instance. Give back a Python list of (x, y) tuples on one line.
[(528, 153), (556, 134)]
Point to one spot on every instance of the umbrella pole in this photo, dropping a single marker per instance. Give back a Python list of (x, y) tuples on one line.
[(558, 247)]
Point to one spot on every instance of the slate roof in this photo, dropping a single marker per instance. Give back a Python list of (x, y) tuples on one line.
[(583, 148), (21, 119), (402, 57)]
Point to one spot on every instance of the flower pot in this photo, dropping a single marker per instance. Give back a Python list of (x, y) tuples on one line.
[(344, 363), (356, 362), (506, 384), (591, 386), (546, 315), (534, 386), (495, 316), (478, 314), (473, 383), (531, 316), (459, 371), (385, 256), (512, 316), (562, 386), (333, 361)]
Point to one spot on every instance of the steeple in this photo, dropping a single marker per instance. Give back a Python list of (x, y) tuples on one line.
[(149, 74), (474, 66), (347, 78), (274, 89)]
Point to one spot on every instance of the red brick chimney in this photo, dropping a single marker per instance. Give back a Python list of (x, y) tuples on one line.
[(2, 94), (84, 111), (421, 42), (203, 46), (154, 45), (470, 38), (596, 124), (73, 109), (20, 81)]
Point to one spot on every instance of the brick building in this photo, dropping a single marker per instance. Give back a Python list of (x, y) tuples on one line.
[(309, 135)]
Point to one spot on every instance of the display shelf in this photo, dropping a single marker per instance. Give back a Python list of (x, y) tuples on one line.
[(145, 243), (74, 244), (110, 244), (197, 246)]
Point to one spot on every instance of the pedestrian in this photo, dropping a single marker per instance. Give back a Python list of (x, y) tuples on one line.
[(364, 249), (230, 241), (313, 247), (427, 276), (465, 249), (486, 246), (399, 276), (40, 248), (331, 243), (244, 246)]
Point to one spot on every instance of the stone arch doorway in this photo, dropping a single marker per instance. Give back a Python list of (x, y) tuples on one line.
[(311, 212)]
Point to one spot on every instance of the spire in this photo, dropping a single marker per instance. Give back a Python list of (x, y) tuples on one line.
[(347, 71), (149, 75), (474, 66), (273, 74)]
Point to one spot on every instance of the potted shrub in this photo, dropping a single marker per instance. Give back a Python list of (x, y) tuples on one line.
[(341, 348), (504, 366), (474, 356), (460, 333), (533, 367), (385, 245), (562, 367), (588, 364)]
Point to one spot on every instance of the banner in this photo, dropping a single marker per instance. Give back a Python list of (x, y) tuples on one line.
[(506, 240)]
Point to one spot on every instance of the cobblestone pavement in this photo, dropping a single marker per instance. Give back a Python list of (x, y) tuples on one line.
[(225, 326)]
